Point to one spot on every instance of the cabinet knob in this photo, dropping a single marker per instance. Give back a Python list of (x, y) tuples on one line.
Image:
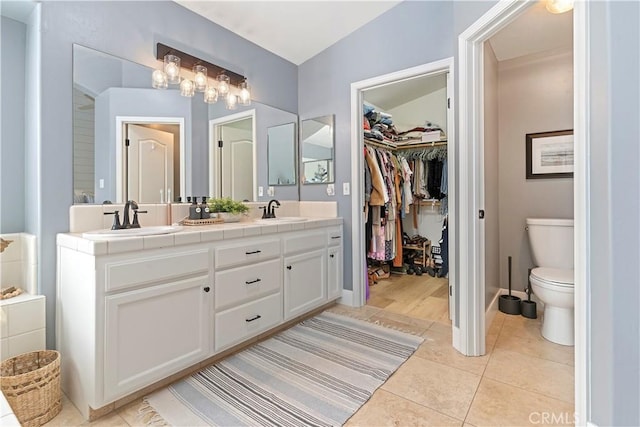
[(288, 267), (207, 289), (331, 256)]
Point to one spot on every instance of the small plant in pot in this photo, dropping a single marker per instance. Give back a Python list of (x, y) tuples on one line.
[(227, 209)]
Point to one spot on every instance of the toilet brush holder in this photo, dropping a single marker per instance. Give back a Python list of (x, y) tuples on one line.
[(509, 304), (529, 308)]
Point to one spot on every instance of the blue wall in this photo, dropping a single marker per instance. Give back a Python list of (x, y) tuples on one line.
[(12, 50), (409, 34)]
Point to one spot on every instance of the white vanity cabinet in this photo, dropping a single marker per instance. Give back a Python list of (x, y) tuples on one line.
[(125, 321), (305, 272), (334, 263), (248, 296)]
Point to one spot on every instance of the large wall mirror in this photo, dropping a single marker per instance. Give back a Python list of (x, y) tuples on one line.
[(317, 152), (282, 154), (173, 157)]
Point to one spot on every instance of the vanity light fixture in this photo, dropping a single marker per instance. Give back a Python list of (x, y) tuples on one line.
[(231, 87), (559, 6)]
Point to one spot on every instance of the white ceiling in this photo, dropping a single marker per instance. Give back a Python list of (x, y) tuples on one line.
[(534, 32), (390, 96), (295, 30)]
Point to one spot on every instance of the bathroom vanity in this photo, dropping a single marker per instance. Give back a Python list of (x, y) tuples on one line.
[(133, 311)]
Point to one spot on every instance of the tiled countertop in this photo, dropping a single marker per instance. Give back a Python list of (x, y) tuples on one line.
[(188, 235)]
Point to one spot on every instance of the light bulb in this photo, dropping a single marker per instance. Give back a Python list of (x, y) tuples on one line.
[(559, 6), (223, 84), (172, 68), (159, 79), (245, 94), (231, 101), (187, 88), (200, 77), (210, 95)]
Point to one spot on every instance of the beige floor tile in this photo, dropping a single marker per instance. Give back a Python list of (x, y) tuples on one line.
[(130, 414), (526, 338), (68, 416), (110, 420), (441, 328), (387, 409), (431, 308), (497, 404), (437, 347), (439, 387), (363, 313), (542, 376)]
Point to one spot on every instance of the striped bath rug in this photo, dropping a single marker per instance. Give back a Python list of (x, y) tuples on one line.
[(317, 373)]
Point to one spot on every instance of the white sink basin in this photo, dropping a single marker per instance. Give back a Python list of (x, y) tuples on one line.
[(281, 220), (132, 232)]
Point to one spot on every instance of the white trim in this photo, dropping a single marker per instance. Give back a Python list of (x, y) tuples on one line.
[(357, 197), (346, 298), (470, 341), (121, 121), (213, 152), (491, 312), (581, 215)]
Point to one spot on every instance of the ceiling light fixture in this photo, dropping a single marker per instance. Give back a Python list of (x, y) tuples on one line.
[(559, 6), (231, 87)]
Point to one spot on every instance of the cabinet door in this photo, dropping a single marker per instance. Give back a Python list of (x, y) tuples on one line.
[(305, 282), (154, 332), (334, 275)]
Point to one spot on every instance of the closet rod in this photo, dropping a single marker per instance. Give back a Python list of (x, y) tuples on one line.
[(393, 147)]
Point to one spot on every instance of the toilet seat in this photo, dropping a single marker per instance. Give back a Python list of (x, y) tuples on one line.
[(553, 276)]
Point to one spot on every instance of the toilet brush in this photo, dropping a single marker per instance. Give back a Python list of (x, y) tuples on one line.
[(509, 304), (529, 309)]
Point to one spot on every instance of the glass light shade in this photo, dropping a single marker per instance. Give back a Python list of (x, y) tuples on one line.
[(245, 94), (231, 101), (211, 95), (187, 88), (172, 68), (223, 84), (159, 79), (559, 6), (200, 77)]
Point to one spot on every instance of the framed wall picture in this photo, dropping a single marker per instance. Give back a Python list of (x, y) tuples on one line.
[(549, 154)]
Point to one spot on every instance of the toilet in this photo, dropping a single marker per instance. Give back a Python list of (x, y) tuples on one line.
[(551, 242)]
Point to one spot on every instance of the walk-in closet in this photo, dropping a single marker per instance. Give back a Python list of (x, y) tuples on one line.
[(405, 132)]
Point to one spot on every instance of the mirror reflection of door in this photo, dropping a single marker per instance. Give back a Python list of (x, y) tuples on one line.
[(150, 163), (233, 161)]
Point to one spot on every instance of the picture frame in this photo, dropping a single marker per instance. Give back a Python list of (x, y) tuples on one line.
[(549, 154)]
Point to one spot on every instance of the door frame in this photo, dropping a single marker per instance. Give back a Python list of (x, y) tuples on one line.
[(357, 297), (214, 157), (121, 121), (471, 101)]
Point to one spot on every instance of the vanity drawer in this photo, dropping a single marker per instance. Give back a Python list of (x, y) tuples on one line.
[(247, 253), (238, 285), (122, 272), (304, 242), (334, 236), (240, 323)]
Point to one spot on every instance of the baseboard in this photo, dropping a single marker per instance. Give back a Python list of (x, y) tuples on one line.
[(347, 298), (491, 312)]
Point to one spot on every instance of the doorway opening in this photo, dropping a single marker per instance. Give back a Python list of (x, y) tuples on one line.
[(150, 159), (412, 237), (232, 157)]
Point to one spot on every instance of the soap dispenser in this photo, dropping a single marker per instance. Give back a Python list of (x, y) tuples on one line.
[(195, 212), (204, 208)]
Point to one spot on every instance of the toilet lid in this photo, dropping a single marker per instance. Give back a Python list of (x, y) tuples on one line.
[(561, 276)]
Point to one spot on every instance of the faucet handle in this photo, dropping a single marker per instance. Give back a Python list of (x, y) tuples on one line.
[(135, 223), (264, 212), (116, 220)]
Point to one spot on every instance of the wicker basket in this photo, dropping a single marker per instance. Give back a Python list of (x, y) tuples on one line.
[(31, 384)]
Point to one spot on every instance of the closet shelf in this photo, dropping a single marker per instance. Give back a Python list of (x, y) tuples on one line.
[(428, 202), (394, 147)]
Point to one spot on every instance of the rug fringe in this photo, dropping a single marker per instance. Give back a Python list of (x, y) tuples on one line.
[(149, 416), (376, 322)]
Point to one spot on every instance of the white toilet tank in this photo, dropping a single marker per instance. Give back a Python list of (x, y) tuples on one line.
[(551, 242)]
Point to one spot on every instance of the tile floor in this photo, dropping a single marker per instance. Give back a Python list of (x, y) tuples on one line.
[(522, 380)]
